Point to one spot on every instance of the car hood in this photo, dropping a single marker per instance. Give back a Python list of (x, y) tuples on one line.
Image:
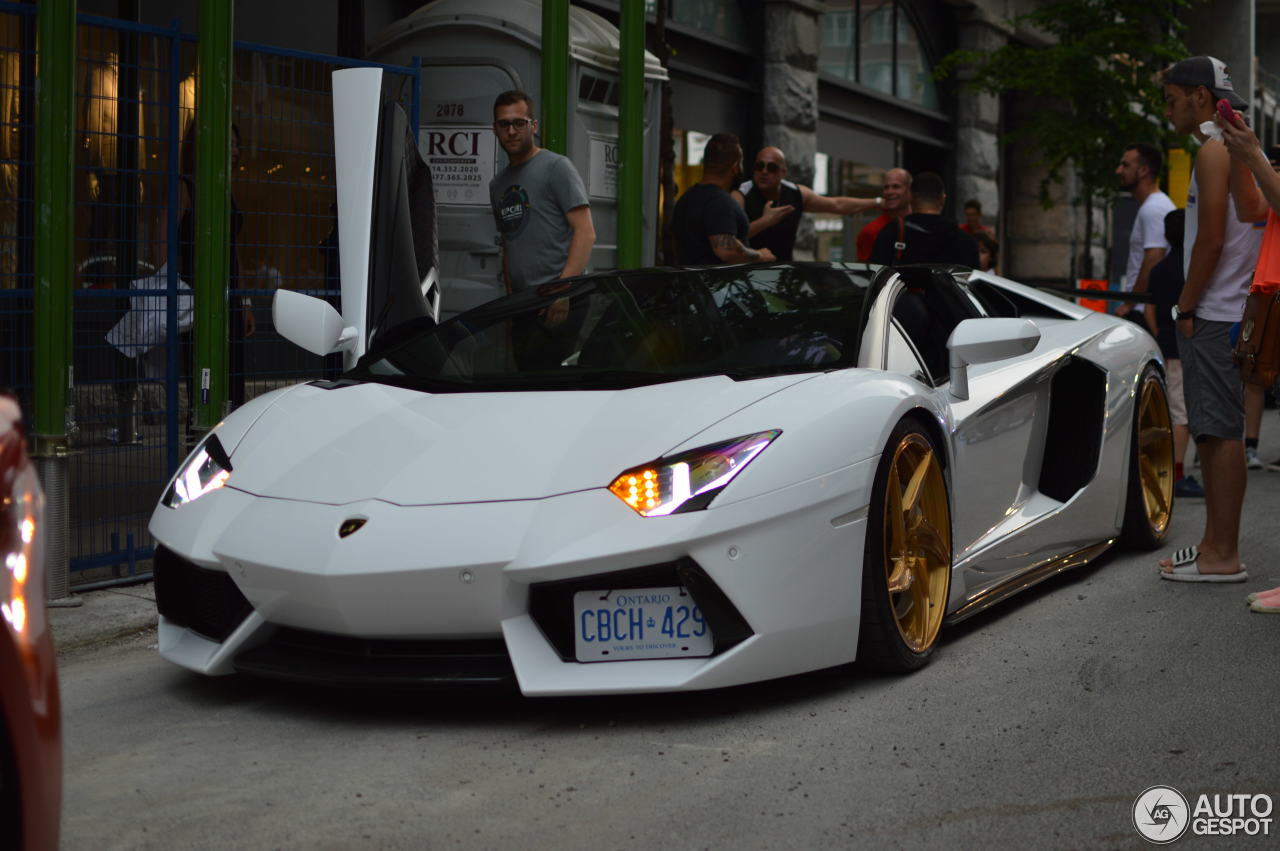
[(372, 441)]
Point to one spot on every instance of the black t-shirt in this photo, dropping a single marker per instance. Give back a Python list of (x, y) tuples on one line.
[(781, 237), (929, 238), (1164, 282), (702, 211)]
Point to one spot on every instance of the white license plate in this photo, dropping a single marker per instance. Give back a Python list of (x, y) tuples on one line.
[(638, 623)]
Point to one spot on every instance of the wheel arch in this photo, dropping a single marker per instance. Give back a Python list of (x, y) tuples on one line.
[(936, 431), (1146, 515), (884, 643)]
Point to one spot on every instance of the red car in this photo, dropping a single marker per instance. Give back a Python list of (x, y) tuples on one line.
[(31, 716)]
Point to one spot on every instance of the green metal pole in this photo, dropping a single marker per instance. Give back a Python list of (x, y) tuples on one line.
[(631, 164), (554, 125), (55, 219), (54, 234), (212, 209)]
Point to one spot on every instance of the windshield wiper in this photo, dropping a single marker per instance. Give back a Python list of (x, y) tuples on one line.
[(608, 379), (742, 373), (433, 384), (614, 379), (336, 383)]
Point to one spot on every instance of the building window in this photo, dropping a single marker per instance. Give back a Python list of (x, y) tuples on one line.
[(837, 29), (837, 55), (914, 70), (877, 18), (875, 43), (875, 38), (720, 18)]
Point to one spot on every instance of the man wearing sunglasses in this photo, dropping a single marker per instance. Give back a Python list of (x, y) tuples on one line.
[(774, 204), (539, 204)]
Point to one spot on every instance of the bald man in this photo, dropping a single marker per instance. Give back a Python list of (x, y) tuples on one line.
[(896, 195), (774, 204)]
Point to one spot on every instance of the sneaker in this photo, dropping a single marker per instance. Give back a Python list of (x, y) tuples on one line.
[(1188, 488), (1251, 459), (1274, 466)]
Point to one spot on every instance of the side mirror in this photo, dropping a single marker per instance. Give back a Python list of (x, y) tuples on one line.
[(310, 322), (984, 341)]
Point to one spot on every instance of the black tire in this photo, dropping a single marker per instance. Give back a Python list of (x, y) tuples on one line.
[(11, 829), (897, 632), (1148, 507)]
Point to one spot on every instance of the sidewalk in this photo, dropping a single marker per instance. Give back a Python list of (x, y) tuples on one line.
[(103, 616)]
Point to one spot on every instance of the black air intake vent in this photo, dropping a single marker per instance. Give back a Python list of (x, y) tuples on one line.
[(303, 656), (1077, 405), (203, 600)]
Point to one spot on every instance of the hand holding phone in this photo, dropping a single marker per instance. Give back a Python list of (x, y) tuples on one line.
[(1228, 114)]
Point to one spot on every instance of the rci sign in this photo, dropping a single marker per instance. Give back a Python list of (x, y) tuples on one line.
[(453, 143), (603, 174), (461, 161)]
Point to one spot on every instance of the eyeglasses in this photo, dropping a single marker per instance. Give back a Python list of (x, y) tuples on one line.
[(508, 123), (772, 168)]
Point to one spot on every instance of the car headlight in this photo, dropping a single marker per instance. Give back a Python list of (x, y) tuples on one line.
[(205, 470), (690, 480), (21, 545)]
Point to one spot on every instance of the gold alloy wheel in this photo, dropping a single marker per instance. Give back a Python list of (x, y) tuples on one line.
[(1155, 454), (917, 542)]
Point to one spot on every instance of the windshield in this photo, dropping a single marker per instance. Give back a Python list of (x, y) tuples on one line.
[(624, 330)]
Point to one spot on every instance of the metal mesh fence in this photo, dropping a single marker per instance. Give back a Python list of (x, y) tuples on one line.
[(135, 94), (17, 164), (123, 430)]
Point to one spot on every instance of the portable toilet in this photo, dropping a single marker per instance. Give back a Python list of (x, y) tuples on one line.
[(472, 50)]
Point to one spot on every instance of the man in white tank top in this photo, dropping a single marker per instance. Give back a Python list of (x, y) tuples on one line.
[(1219, 256)]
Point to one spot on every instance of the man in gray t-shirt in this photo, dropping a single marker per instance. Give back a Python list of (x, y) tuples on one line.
[(539, 203)]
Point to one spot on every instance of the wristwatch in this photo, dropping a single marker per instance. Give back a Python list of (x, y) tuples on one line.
[(1182, 314)]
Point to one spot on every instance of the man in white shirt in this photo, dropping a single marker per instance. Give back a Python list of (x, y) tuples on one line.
[(1139, 174)]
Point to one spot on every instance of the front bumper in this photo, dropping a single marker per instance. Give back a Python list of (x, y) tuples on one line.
[(787, 564)]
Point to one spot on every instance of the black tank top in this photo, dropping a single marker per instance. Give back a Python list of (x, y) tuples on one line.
[(781, 238)]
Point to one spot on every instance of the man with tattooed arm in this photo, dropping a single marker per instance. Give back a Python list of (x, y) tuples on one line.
[(710, 227)]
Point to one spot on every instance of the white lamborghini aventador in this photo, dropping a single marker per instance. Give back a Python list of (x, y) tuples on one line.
[(690, 478)]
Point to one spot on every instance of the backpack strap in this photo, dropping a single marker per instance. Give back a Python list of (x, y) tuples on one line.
[(901, 244)]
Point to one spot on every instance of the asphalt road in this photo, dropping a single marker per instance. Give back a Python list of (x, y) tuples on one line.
[(1036, 726)]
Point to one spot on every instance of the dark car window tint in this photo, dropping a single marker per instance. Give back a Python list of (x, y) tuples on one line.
[(794, 314), (928, 308), (637, 328), (992, 300)]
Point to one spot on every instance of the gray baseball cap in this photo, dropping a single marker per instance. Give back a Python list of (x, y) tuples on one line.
[(1208, 72)]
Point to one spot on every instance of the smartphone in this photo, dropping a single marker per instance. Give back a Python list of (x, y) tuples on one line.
[(1228, 114)]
